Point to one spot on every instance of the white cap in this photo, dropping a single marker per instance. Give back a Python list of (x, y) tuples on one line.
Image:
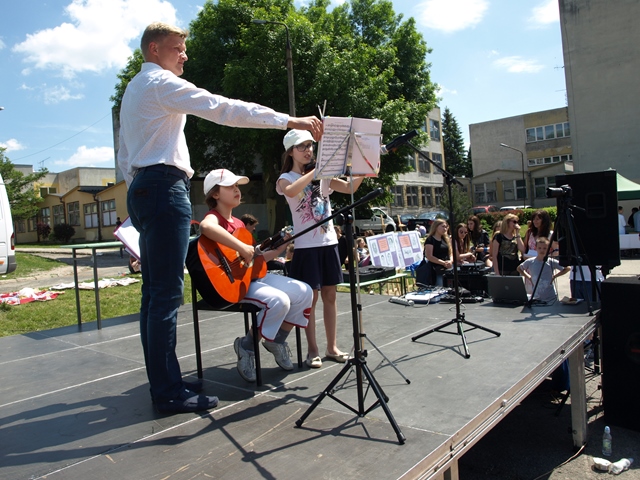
[(222, 177), (296, 137)]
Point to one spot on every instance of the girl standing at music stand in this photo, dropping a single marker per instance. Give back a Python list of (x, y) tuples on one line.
[(316, 261), (285, 302)]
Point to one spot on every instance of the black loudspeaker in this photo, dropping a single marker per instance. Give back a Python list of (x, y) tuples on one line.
[(621, 352), (594, 197)]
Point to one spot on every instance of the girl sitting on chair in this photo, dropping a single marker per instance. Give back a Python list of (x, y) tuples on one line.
[(285, 302)]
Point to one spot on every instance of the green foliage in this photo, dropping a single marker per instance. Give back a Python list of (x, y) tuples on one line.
[(461, 204), (63, 232), (360, 57), (23, 198), (43, 230), (458, 164), (134, 64)]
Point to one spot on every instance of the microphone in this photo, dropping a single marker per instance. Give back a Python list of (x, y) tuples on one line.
[(397, 142), (371, 195), (401, 301)]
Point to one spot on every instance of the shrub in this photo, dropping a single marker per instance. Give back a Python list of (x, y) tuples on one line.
[(43, 230), (63, 232)]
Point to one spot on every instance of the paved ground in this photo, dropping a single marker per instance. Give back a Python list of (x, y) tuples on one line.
[(511, 449)]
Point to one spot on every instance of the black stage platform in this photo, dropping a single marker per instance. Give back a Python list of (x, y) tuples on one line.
[(75, 404)]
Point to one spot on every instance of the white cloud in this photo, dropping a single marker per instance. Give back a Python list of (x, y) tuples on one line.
[(59, 93), (12, 145), (89, 157), (445, 91), (517, 64), (2, 44), (545, 14), (451, 15), (96, 38)]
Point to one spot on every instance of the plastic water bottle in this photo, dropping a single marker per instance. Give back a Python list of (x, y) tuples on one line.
[(620, 466), (606, 442)]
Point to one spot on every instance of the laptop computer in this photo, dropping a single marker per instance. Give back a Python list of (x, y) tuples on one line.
[(504, 289)]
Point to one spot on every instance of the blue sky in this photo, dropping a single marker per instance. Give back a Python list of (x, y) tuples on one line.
[(59, 60)]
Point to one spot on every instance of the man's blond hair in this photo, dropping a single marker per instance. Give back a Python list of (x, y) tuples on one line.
[(157, 31)]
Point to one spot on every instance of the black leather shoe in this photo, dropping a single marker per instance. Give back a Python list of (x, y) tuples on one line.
[(187, 402)]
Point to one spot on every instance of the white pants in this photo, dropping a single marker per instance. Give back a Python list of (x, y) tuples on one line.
[(282, 299)]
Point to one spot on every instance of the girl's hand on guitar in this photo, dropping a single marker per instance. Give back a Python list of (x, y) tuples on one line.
[(246, 253)]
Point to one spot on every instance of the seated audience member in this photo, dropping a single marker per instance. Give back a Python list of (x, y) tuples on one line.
[(547, 271), (250, 223), (343, 248), (363, 252), (462, 245), (479, 240), (437, 251)]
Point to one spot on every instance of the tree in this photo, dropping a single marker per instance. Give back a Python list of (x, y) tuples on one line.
[(23, 197), (361, 58), (458, 164), (461, 204)]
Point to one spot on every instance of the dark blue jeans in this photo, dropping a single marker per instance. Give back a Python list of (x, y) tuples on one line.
[(160, 209)]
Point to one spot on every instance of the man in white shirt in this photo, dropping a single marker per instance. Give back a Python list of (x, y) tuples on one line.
[(154, 159)]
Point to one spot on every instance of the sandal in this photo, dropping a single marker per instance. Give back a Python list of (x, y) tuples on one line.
[(315, 362), (337, 357)]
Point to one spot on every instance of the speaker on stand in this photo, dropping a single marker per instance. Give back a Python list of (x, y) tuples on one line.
[(621, 352)]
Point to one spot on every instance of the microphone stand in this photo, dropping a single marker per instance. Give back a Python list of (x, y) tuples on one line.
[(460, 320)]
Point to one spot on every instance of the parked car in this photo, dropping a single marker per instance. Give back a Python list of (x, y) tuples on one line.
[(402, 220), (484, 209), (426, 219), (511, 207), (377, 220)]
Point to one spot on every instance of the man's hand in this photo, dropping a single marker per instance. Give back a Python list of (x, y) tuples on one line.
[(313, 124)]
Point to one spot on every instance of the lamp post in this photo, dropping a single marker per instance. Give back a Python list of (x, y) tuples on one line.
[(524, 182), (292, 96)]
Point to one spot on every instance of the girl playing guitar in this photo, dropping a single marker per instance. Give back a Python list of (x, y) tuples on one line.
[(285, 302)]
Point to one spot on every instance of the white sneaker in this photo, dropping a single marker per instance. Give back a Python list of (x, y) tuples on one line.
[(246, 361), (281, 353)]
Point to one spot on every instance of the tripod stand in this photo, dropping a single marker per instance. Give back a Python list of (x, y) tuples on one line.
[(460, 319), (565, 230), (358, 361)]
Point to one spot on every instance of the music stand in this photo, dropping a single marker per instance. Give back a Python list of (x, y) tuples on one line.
[(460, 319), (358, 361)]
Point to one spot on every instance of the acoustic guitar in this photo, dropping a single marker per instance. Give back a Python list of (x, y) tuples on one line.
[(226, 269)]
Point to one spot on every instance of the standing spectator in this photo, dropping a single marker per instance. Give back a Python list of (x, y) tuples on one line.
[(540, 226), (437, 251), (630, 220), (507, 246), (537, 271), (622, 223)]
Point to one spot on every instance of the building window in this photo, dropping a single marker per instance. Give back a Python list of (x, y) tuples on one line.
[(73, 213), (423, 165), (108, 208), (398, 199), (90, 215), (21, 226), (541, 185), (548, 132), (45, 215), (485, 193), (514, 189), (58, 214), (438, 192), (437, 159), (44, 191), (427, 200), (412, 196), (548, 160), (33, 222), (434, 130)]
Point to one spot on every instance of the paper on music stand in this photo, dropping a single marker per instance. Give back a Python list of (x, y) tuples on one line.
[(349, 141), (395, 249), (128, 235)]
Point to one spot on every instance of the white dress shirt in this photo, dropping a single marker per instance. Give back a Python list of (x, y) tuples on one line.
[(153, 115)]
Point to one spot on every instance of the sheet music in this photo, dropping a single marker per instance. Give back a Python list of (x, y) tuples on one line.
[(128, 235), (348, 140)]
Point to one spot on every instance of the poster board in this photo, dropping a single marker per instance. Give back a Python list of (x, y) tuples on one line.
[(395, 249), (349, 141)]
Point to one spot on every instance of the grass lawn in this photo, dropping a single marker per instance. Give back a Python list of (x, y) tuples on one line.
[(61, 312)]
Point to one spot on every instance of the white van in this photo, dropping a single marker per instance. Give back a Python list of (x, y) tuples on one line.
[(7, 236), (378, 221)]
